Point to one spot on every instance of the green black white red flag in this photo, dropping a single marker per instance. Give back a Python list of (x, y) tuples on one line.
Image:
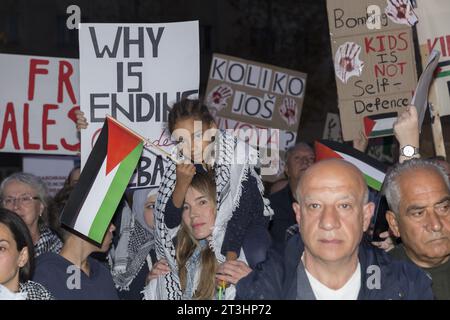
[(103, 181), (373, 170)]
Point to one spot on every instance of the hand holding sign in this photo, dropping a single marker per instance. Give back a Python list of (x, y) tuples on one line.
[(81, 120), (406, 128)]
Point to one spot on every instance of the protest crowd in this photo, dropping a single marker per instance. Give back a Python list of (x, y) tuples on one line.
[(323, 220)]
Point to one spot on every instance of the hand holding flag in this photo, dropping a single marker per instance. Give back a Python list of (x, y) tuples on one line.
[(103, 181)]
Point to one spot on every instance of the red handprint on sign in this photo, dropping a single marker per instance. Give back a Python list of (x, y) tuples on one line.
[(400, 11), (346, 61), (288, 111), (217, 98)]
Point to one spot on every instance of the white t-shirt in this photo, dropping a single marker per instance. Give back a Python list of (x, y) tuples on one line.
[(349, 291)]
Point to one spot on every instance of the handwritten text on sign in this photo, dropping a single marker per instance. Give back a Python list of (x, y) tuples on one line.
[(38, 98), (135, 72)]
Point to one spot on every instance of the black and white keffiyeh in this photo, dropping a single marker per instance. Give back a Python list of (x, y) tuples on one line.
[(235, 160), (35, 291), (48, 242), (135, 242), (29, 290)]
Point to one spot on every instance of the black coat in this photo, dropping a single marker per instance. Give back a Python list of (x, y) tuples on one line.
[(284, 216)]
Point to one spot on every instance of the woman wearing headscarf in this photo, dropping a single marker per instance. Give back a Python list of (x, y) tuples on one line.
[(133, 257)]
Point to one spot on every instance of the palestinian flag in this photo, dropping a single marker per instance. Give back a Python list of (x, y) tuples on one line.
[(380, 124), (103, 180), (443, 69), (373, 170)]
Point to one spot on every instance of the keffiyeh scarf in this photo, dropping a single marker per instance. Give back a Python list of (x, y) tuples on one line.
[(48, 242), (135, 242), (27, 291), (234, 161)]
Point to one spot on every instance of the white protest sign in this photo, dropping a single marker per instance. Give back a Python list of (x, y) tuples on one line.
[(135, 72), (52, 170), (38, 98)]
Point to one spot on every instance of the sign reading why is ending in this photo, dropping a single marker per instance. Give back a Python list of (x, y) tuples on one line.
[(374, 62)]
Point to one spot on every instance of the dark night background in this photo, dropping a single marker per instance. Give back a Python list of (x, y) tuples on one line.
[(287, 33)]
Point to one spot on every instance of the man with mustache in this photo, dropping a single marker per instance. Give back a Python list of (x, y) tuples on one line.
[(329, 259), (418, 195)]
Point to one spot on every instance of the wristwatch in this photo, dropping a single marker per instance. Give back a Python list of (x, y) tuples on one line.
[(409, 151)]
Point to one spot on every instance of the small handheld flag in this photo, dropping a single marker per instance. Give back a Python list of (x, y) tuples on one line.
[(222, 287), (103, 181)]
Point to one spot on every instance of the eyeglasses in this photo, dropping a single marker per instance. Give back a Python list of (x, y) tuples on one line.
[(22, 200)]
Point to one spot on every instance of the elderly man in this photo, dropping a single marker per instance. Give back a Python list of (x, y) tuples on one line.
[(298, 159), (418, 195), (328, 260)]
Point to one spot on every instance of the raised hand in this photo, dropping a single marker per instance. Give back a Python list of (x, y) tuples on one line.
[(217, 98), (406, 129), (400, 11), (346, 61), (288, 111)]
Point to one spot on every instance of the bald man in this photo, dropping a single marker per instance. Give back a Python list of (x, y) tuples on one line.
[(328, 259)]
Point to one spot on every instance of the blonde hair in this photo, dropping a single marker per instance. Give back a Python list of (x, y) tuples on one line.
[(187, 244)]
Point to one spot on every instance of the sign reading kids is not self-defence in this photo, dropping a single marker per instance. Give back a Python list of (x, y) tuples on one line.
[(374, 63)]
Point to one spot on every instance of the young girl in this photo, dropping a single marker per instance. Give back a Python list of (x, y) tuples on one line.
[(196, 262), (242, 211), (17, 260)]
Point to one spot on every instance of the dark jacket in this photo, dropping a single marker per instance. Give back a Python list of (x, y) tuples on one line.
[(276, 278), (284, 216)]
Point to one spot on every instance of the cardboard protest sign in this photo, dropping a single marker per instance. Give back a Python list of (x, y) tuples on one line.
[(135, 72), (268, 142), (53, 170), (244, 94), (374, 62), (38, 98), (433, 31), (253, 92)]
